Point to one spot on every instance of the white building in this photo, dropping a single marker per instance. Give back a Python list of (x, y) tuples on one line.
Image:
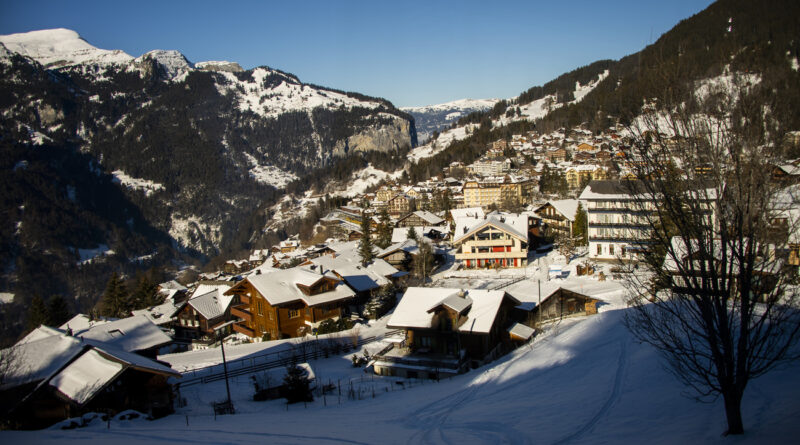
[(618, 228)]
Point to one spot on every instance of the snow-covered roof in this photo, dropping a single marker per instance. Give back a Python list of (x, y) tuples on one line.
[(82, 322), (38, 355), (159, 315), (44, 353), (513, 224), (470, 212), (527, 291), (85, 376), (172, 284), (455, 302), (427, 216), (521, 331), (211, 304), (135, 333), (413, 310), (280, 287), (608, 189), (566, 207), (400, 234)]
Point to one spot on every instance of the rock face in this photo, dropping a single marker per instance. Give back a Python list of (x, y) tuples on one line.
[(220, 66), (386, 138)]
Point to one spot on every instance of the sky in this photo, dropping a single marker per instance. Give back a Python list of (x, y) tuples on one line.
[(412, 53)]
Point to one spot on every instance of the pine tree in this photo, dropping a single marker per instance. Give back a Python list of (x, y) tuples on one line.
[(423, 261), (115, 299), (146, 293), (37, 313), (365, 246), (58, 311), (580, 227), (412, 234), (296, 385), (384, 230)]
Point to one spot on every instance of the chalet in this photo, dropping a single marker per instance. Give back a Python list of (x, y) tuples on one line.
[(362, 279), (497, 240), (172, 290), (289, 245), (446, 330), (559, 215), (419, 218), (199, 316), (55, 376), (132, 334), (288, 303)]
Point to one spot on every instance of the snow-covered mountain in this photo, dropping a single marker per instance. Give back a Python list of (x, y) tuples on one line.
[(436, 118), (55, 48), (187, 152)]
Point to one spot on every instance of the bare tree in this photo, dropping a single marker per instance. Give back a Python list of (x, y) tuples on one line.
[(718, 301)]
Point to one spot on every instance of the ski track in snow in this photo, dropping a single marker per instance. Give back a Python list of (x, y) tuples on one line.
[(235, 437), (612, 399)]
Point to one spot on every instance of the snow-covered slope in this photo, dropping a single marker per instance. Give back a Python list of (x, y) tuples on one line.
[(55, 48), (586, 380), (270, 93)]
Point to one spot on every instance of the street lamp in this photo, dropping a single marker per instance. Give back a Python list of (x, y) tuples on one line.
[(228, 409)]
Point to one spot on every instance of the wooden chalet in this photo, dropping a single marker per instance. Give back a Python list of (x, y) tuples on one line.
[(499, 240), (419, 218), (288, 303), (558, 304), (57, 376), (198, 317), (446, 331)]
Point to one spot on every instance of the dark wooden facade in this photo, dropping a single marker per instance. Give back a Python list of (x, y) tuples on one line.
[(261, 319), (145, 391), (446, 339), (562, 303)]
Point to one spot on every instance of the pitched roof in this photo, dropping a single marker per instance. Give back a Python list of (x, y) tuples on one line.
[(280, 287), (135, 333), (413, 310), (211, 304), (427, 216), (566, 207), (513, 224)]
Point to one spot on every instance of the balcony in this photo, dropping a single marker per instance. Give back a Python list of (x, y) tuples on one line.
[(490, 242), (242, 329), (490, 255), (242, 312), (404, 356), (622, 224), (244, 299)]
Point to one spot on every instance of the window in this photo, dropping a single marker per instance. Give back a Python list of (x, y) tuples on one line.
[(611, 249), (599, 249), (260, 306), (293, 313), (270, 316)]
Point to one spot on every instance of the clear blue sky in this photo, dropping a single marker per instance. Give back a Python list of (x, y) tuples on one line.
[(410, 52)]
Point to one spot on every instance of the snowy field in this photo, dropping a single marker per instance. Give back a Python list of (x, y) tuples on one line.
[(585, 380)]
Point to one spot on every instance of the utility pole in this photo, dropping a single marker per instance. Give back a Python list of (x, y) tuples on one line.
[(219, 330), (539, 305)]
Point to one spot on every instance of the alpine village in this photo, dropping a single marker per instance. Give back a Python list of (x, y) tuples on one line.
[(189, 247)]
